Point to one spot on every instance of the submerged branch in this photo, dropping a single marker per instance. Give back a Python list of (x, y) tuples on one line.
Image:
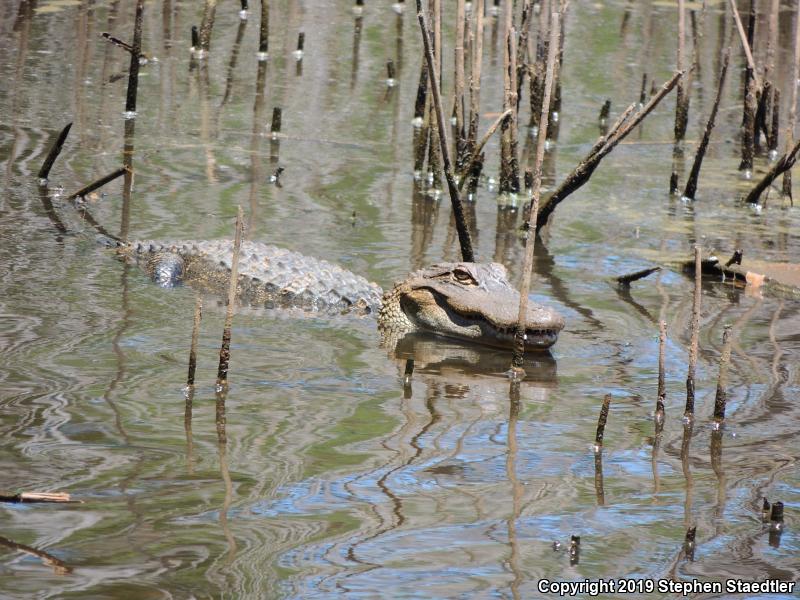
[(602, 147)]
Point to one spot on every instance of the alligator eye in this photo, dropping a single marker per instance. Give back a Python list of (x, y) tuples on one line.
[(463, 277)]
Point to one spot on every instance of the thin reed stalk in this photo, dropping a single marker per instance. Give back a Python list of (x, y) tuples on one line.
[(458, 209), (691, 182), (475, 79), (198, 315), (682, 101), (263, 30), (133, 71), (519, 338), (225, 349), (787, 176), (207, 24), (695, 334), (722, 380), (85, 191), (662, 388), (601, 423), (781, 166), (55, 150), (458, 90)]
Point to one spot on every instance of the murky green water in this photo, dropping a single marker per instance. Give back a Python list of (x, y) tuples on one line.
[(327, 477)]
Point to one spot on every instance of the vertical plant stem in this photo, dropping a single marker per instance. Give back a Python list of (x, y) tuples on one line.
[(225, 349), (662, 388), (475, 77), (749, 127), (207, 24), (772, 38), (198, 315), (745, 44), (695, 335), (133, 72), (263, 30), (722, 380), (459, 83), (530, 240), (601, 423), (691, 183), (458, 209), (787, 176), (681, 104)]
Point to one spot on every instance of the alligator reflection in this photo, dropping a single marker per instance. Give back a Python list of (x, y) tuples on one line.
[(452, 373), (442, 356)]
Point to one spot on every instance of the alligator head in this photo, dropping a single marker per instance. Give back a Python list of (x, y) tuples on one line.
[(469, 301)]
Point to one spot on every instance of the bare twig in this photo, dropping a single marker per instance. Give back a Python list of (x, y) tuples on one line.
[(225, 349), (519, 338), (57, 497), (59, 566), (601, 423), (722, 380), (55, 150), (263, 31), (662, 388), (581, 174), (787, 176), (626, 280), (782, 165), (198, 315), (458, 209), (743, 37), (207, 24), (691, 183), (98, 184), (682, 101), (136, 52), (695, 335)]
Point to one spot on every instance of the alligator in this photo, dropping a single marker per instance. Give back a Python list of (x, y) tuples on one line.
[(468, 301)]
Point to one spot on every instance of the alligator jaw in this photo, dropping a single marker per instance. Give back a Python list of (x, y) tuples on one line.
[(431, 311)]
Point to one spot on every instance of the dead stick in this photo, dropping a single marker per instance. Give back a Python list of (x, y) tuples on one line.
[(519, 338), (263, 31), (782, 165), (198, 315), (133, 71), (787, 176), (55, 150), (626, 280), (662, 388), (59, 566), (601, 423), (475, 77), (225, 349), (695, 335), (691, 182), (207, 24), (58, 497), (118, 42), (681, 104), (458, 90), (743, 36), (97, 184), (722, 380), (581, 174), (458, 209)]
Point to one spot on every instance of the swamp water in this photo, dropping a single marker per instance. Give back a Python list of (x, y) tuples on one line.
[(325, 476)]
